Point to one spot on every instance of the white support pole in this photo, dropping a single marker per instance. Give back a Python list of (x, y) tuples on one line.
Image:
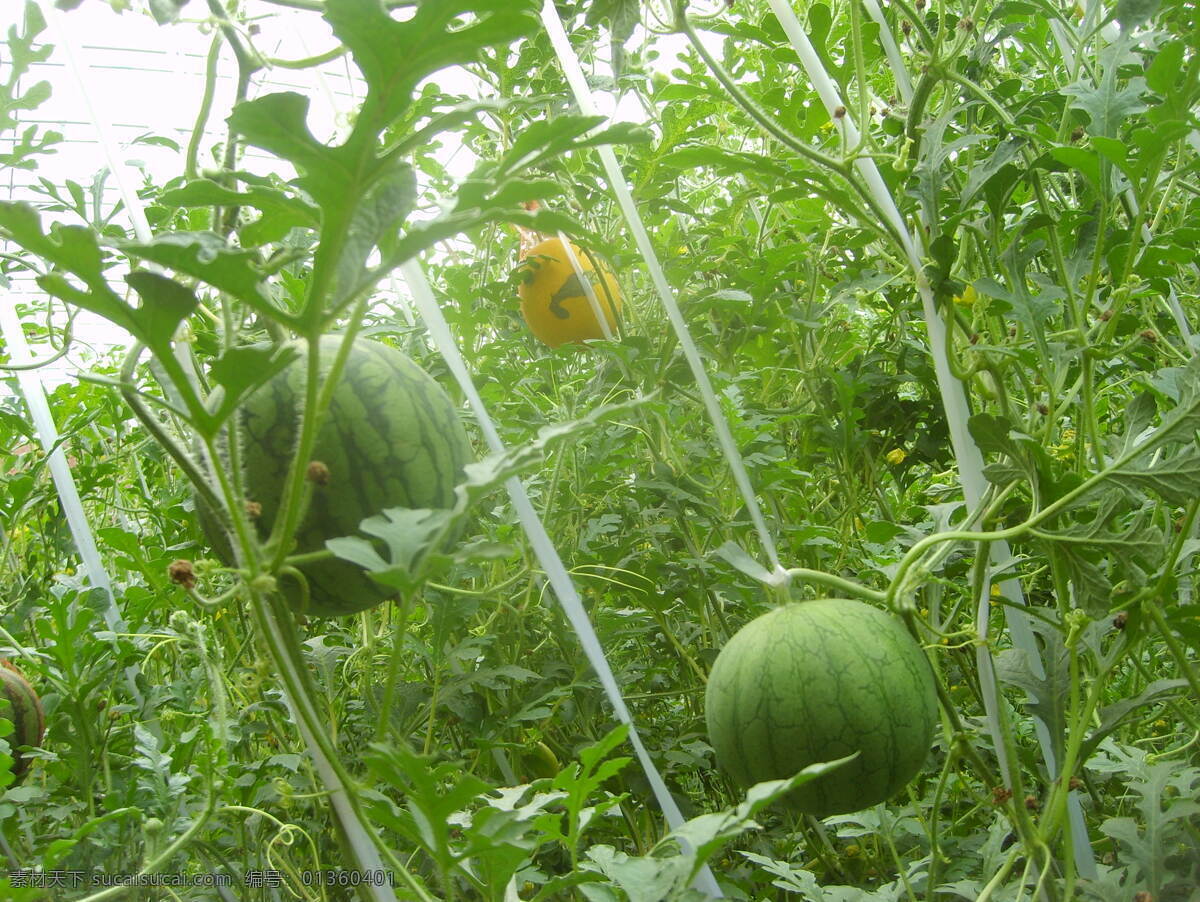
[(620, 187), (30, 382), (544, 550), (966, 452)]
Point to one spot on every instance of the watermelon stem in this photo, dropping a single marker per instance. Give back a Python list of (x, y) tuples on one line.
[(317, 397), (151, 424), (275, 624), (836, 582)]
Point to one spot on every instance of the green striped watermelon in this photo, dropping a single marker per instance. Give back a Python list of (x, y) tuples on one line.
[(391, 438), (819, 680), (25, 712)]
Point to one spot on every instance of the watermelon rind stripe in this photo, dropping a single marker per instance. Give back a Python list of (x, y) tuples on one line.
[(816, 681), (391, 438)]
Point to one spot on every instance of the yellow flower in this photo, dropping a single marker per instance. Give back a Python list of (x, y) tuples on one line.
[(968, 297), (895, 456)]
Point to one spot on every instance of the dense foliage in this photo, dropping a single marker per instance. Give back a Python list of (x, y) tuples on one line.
[(977, 409)]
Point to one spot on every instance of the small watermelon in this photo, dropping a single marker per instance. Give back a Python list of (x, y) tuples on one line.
[(553, 301), (819, 680), (391, 438), (25, 712)]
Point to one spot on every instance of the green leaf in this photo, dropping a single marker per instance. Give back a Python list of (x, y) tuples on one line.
[(1164, 794), (1111, 716), (238, 371), (280, 210), (433, 792), (1176, 479), (1083, 161), (376, 221), (1132, 13), (165, 304), (166, 11), (395, 56), (579, 781), (695, 155), (1107, 105), (411, 536), (982, 173), (279, 123), (25, 49), (1166, 67), (208, 257), (709, 833), (1049, 694), (73, 249), (548, 138)]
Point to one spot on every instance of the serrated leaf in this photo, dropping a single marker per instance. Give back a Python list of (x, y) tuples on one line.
[(709, 833), (1048, 695), (395, 56), (238, 371), (281, 211), (1164, 794), (1176, 479), (1112, 715), (74, 250), (279, 123), (548, 138), (693, 156), (210, 258), (1006, 151), (166, 11), (1139, 414), (1082, 161), (411, 537), (1107, 105), (165, 304)]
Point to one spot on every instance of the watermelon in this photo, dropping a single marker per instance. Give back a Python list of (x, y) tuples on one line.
[(555, 305), (391, 438), (25, 712), (815, 681)]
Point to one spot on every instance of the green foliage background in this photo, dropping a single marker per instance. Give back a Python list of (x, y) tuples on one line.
[(1047, 165)]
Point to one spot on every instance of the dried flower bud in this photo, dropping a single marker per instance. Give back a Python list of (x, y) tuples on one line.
[(1000, 795), (182, 573), (253, 510), (1042, 409), (966, 23), (1120, 620), (1032, 803), (839, 112), (317, 473), (1149, 335), (1077, 133), (1075, 783), (1106, 315)]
